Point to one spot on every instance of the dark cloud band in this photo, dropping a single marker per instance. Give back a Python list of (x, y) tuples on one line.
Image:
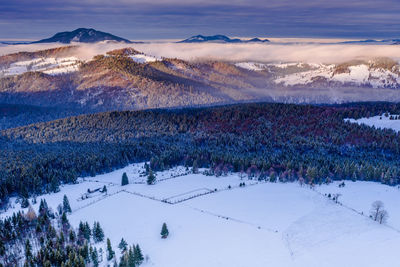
[(172, 19)]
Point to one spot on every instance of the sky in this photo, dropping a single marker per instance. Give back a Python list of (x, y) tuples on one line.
[(178, 19)]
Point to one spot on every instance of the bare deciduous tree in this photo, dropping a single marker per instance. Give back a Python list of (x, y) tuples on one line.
[(383, 216), (378, 213), (376, 208)]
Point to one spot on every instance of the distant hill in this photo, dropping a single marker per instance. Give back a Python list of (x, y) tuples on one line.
[(371, 41), (220, 39), (82, 35)]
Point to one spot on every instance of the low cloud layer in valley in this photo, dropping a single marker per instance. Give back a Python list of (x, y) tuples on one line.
[(299, 52)]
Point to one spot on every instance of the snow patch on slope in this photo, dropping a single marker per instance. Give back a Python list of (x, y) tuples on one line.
[(141, 58), (381, 122), (360, 75), (251, 66), (51, 66)]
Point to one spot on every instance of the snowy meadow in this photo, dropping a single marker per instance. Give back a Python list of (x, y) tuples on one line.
[(231, 220)]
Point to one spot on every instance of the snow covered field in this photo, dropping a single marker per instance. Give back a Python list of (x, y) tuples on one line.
[(261, 224), (381, 122)]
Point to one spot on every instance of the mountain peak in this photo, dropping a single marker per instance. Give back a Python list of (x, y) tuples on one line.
[(82, 35), (219, 38)]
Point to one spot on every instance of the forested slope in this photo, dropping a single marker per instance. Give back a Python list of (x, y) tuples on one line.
[(286, 142)]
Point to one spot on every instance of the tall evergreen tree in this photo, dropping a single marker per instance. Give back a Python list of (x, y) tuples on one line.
[(124, 180), (151, 179), (66, 206), (95, 257), (123, 245), (110, 252), (164, 231), (138, 256), (98, 234), (28, 250)]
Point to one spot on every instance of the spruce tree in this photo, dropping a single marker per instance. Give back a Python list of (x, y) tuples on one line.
[(131, 257), (98, 234), (124, 180), (87, 231), (110, 252), (66, 206), (138, 256), (43, 208), (151, 178), (164, 231), (64, 219), (28, 250), (122, 245), (95, 257)]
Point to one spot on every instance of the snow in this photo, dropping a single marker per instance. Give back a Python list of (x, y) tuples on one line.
[(381, 122), (360, 75), (141, 58), (287, 65), (261, 224), (51, 66), (306, 77), (251, 66)]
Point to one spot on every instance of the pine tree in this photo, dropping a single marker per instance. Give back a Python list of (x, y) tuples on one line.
[(131, 258), (138, 256), (64, 219), (110, 252), (66, 206), (122, 245), (151, 179), (87, 231), (95, 257), (43, 208), (98, 234), (164, 231), (72, 236), (124, 180), (28, 250)]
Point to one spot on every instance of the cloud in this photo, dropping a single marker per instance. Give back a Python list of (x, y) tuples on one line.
[(140, 19), (311, 53)]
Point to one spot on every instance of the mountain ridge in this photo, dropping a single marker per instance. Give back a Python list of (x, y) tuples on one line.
[(82, 35), (220, 39)]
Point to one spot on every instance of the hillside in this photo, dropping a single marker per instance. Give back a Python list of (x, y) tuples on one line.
[(128, 79), (268, 139)]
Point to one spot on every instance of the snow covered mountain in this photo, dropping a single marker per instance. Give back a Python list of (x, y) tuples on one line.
[(82, 35), (129, 79), (379, 73), (220, 39)]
